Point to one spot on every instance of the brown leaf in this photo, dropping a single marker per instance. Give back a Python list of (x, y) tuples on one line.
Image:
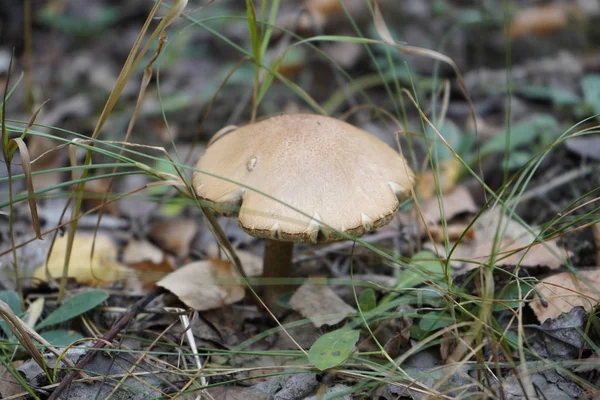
[(174, 235), (326, 12), (320, 304), (453, 232), (150, 262), (9, 386), (539, 21), (565, 291), (141, 250), (514, 247), (459, 201), (102, 269), (400, 341), (205, 285), (448, 346), (448, 176)]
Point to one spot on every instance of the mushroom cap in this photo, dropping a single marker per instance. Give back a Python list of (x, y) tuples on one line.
[(337, 175)]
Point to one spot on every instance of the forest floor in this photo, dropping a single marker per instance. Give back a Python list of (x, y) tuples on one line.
[(485, 285)]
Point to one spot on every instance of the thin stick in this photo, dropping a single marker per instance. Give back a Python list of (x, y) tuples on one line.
[(121, 323), (189, 335), (553, 184)]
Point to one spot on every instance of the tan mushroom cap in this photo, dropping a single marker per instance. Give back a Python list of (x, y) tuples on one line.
[(339, 176)]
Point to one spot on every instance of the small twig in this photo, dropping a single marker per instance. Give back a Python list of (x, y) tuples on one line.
[(121, 323), (189, 335), (556, 182)]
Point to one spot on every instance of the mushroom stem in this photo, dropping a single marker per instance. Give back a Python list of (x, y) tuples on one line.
[(276, 264)]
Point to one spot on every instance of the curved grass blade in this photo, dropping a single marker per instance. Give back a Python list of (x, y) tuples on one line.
[(26, 165)]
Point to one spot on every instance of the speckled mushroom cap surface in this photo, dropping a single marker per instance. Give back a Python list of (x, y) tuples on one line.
[(337, 175)]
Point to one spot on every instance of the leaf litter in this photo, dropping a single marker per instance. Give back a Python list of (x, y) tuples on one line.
[(205, 285), (210, 284), (100, 268), (320, 304), (562, 292), (517, 245), (171, 246)]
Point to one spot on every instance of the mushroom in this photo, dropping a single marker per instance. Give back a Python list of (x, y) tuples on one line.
[(301, 178)]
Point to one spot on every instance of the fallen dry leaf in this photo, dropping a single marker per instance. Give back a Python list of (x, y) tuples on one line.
[(251, 263), (320, 304), (448, 346), (150, 262), (393, 334), (9, 385), (325, 12), (142, 250), (174, 235), (102, 269), (459, 201), (449, 174), (513, 249), (541, 20), (205, 285), (565, 291), (452, 231)]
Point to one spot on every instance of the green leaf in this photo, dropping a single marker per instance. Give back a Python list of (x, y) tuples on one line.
[(509, 295), (78, 25), (558, 96), (11, 298), (253, 30), (451, 133), (433, 321), (333, 348), (61, 337), (523, 133), (269, 28), (266, 83), (590, 85), (424, 267), (518, 159), (76, 305), (470, 16), (511, 339), (367, 300)]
